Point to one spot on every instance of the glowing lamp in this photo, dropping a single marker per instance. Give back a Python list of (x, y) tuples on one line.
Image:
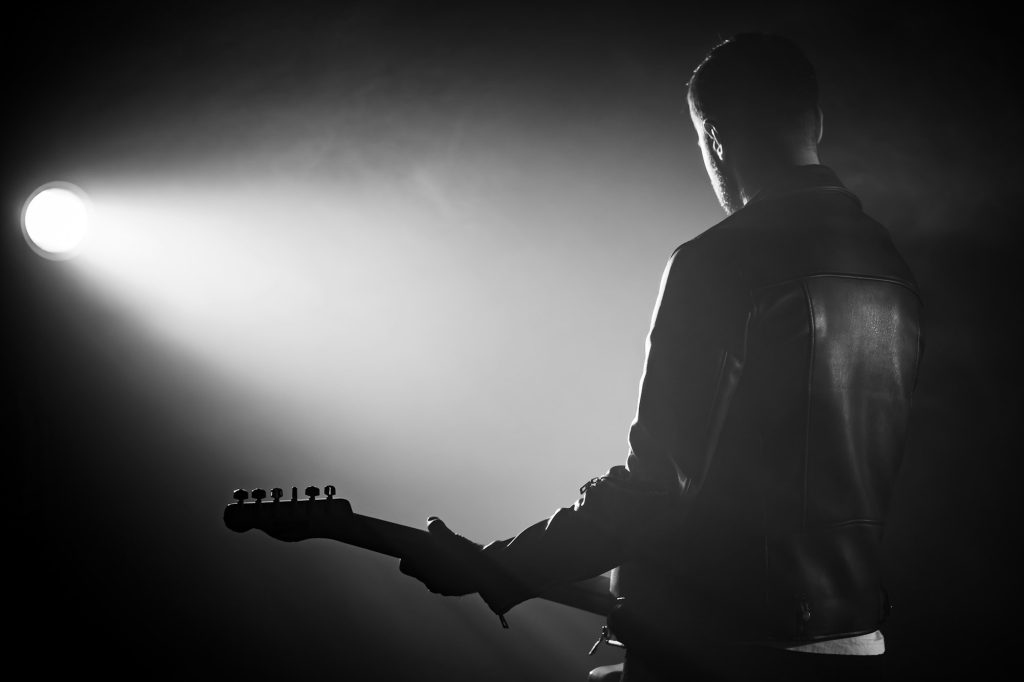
[(55, 220)]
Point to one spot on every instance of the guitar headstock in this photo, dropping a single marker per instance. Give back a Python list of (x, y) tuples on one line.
[(291, 519)]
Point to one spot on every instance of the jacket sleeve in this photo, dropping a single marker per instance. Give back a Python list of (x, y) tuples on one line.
[(689, 374)]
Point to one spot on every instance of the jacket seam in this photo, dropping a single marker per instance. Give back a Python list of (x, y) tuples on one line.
[(709, 427), (807, 417), (853, 522), (832, 526), (843, 275)]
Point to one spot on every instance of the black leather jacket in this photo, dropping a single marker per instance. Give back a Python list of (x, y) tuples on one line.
[(773, 411)]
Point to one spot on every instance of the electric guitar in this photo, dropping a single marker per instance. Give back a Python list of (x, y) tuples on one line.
[(332, 517)]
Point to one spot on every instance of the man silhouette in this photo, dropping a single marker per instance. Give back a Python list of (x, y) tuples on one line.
[(745, 526)]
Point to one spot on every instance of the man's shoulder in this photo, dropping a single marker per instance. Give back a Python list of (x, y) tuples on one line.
[(728, 233), (725, 241), (712, 261), (813, 231)]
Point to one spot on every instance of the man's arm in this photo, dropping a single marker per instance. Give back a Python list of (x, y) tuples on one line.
[(690, 373)]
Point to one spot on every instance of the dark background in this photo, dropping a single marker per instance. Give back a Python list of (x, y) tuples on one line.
[(922, 120)]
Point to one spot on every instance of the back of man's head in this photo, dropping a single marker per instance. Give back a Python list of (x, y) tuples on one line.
[(756, 85)]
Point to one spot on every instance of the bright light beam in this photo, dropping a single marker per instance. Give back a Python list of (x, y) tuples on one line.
[(55, 220)]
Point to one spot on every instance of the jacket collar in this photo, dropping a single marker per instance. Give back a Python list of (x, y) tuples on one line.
[(800, 179)]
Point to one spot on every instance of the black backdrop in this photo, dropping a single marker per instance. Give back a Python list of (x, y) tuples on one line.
[(922, 120)]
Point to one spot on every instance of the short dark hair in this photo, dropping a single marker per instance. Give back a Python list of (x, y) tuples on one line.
[(756, 82)]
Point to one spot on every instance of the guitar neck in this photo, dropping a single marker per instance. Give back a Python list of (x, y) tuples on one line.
[(378, 535), (396, 540), (334, 519)]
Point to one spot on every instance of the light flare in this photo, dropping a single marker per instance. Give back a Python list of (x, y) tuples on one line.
[(55, 220)]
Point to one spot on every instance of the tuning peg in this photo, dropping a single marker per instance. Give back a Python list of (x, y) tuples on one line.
[(276, 493), (312, 491), (295, 494), (241, 495), (330, 491), (259, 494)]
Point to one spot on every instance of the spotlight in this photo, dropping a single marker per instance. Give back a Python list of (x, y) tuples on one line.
[(55, 220)]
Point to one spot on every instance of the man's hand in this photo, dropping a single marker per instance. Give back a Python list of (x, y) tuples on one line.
[(452, 565)]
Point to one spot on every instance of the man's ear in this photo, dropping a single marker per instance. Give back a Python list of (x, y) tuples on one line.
[(820, 126), (716, 144)]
